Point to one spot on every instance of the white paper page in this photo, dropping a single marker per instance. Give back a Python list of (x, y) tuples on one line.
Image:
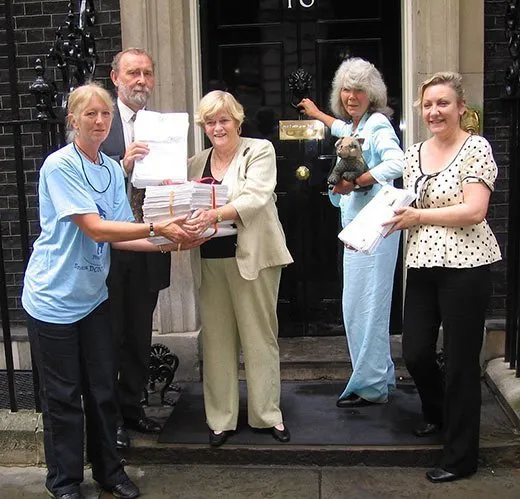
[(167, 137), (366, 231)]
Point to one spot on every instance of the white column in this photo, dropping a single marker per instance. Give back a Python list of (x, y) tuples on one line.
[(437, 41), (166, 30)]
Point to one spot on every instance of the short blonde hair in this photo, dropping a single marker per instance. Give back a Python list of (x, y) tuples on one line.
[(454, 80), (358, 74), (216, 102), (81, 96)]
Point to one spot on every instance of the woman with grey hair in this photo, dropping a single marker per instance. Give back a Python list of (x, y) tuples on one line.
[(359, 102)]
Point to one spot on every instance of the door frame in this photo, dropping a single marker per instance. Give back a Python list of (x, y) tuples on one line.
[(408, 118)]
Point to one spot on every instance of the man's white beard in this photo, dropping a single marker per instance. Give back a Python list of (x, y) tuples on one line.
[(138, 99)]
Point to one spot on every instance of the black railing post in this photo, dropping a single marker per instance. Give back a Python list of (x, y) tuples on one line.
[(513, 246), (6, 330), (512, 32), (17, 136)]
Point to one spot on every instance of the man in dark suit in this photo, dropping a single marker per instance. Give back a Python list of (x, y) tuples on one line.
[(135, 278)]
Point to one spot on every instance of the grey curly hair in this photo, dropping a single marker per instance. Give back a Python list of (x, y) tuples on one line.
[(356, 73)]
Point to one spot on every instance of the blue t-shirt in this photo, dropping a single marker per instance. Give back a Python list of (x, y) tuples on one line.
[(65, 277)]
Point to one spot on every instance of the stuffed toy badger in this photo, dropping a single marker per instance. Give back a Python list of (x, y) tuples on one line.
[(351, 163)]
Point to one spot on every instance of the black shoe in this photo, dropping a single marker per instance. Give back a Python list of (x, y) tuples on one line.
[(143, 425), (66, 495), (440, 475), (281, 435), (354, 401), (427, 429), (122, 438), (124, 490), (218, 439)]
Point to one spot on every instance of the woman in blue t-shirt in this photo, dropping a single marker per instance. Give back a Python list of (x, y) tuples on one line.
[(83, 209)]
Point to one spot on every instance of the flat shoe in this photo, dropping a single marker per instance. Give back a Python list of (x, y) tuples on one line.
[(281, 435), (66, 495), (124, 490), (218, 439), (440, 475), (355, 401), (427, 429), (143, 425)]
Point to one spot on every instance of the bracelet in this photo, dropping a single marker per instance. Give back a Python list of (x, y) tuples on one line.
[(220, 217)]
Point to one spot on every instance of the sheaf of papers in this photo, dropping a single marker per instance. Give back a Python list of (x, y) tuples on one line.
[(167, 136), (163, 202), (366, 231)]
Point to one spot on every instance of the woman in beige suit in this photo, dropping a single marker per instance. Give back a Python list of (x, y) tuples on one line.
[(240, 273)]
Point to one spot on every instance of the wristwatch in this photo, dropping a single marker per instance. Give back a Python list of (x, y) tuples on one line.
[(219, 216), (152, 233)]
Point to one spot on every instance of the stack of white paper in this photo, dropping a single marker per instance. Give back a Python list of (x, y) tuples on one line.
[(167, 137), (163, 202), (366, 231)]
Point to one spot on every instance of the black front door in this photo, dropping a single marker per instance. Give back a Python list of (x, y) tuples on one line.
[(251, 48)]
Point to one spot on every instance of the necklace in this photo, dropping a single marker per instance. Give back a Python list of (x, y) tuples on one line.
[(225, 163), (102, 164), (92, 160)]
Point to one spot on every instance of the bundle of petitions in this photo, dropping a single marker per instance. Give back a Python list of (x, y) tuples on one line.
[(366, 231), (163, 202), (167, 137)]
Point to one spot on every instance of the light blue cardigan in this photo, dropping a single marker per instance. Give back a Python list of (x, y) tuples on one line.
[(382, 154)]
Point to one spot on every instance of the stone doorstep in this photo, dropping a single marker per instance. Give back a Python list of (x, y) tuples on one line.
[(21, 436), (296, 350), (506, 386), (21, 441), (143, 452)]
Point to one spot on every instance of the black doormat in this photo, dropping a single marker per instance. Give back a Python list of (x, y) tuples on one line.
[(310, 411)]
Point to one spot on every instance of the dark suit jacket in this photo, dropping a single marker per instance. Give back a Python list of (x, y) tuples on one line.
[(158, 264)]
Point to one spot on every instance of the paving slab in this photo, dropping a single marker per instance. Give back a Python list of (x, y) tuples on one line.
[(279, 482)]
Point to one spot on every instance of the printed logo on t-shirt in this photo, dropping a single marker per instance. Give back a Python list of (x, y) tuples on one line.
[(94, 263)]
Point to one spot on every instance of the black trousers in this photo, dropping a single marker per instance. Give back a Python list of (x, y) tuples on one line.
[(131, 309), (458, 299), (75, 366)]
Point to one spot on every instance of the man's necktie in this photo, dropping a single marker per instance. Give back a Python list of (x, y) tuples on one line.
[(136, 195)]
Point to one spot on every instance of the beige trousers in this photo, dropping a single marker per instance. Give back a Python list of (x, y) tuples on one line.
[(239, 313)]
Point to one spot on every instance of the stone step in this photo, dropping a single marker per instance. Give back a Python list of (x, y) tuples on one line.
[(323, 358), (309, 358), (499, 454), (499, 445)]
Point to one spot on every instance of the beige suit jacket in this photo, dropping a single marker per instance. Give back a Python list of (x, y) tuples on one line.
[(251, 180)]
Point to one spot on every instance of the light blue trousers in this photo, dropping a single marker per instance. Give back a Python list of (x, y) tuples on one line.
[(367, 297)]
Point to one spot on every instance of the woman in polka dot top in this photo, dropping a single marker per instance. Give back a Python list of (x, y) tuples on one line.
[(449, 251)]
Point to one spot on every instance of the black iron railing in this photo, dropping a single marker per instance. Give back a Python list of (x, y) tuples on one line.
[(512, 32), (74, 54)]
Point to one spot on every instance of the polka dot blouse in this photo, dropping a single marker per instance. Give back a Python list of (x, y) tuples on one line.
[(440, 246)]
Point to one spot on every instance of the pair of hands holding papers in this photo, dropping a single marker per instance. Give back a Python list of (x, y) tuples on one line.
[(194, 202), (378, 219)]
